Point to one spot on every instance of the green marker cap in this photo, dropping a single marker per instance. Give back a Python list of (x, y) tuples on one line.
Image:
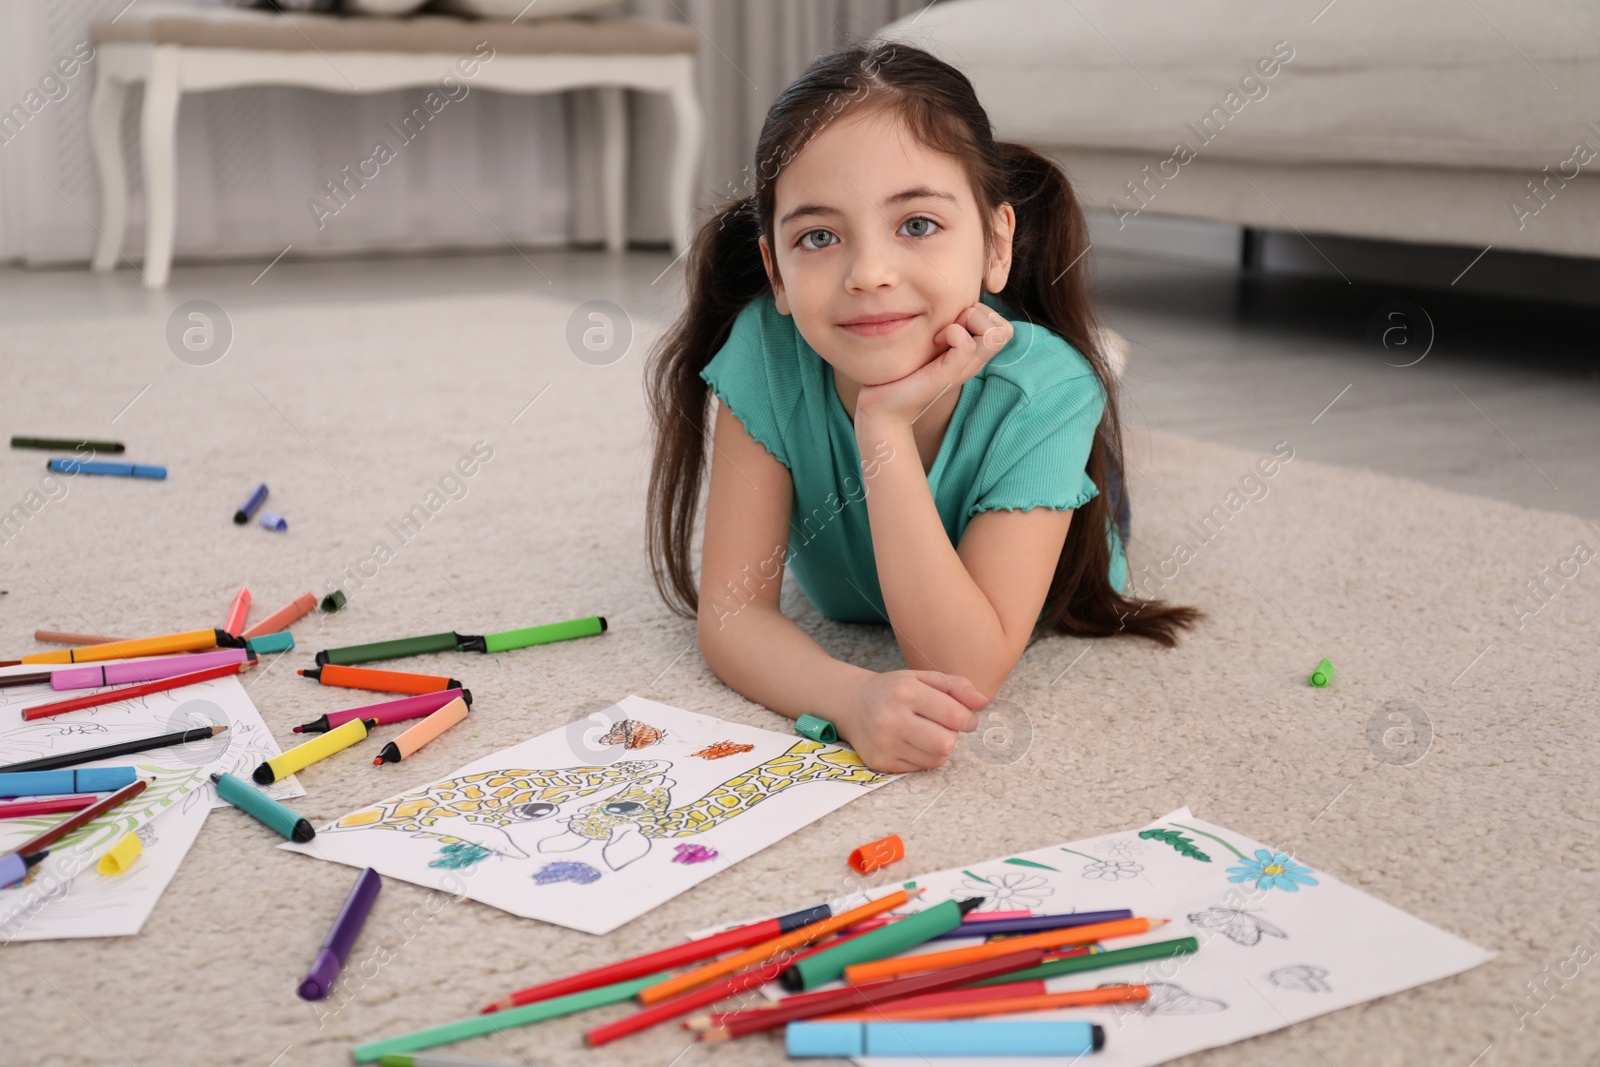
[(1323, 674), (334, 600), (817, 729), (885, 941)]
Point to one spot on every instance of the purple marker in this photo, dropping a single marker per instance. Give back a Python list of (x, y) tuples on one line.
[(1031, 924), (144, 670), (336, 947)]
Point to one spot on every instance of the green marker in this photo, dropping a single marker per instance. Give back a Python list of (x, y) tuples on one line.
[(256, 803), (1093, 962), (1322, 675), (405, 646), (535, 635), (885, 941), (494, 1022)]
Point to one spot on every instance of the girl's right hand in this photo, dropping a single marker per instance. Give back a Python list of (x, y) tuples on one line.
[(909, 720)]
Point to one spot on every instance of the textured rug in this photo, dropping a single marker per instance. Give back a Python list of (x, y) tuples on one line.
[(1449, 769)]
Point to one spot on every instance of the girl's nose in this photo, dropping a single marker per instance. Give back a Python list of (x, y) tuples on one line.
[(874, 266)]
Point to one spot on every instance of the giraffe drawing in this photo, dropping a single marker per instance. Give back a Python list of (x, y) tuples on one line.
[(631, 819), (503, 802)]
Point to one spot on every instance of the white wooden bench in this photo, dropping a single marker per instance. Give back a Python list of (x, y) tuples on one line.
[(178, 50)]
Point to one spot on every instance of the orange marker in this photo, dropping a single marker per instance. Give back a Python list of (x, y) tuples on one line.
[(239, 612), (190, 641), (1048, 939), (435, 724), (280, 619), (752, 956), (379, 681), (1078, 998)]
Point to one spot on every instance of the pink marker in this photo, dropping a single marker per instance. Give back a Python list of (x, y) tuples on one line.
[(389, 711), (280, 619), (144, 670), (239, 612)]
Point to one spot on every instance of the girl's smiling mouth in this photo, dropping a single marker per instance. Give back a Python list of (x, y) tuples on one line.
[(878, 325)]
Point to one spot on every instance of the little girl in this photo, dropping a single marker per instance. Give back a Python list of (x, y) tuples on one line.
[(915, 414)]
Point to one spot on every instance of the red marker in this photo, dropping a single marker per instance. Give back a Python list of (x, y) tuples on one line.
[(239, 612), (22, 809)]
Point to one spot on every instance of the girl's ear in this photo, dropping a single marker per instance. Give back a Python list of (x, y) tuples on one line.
[(999, 267), (778, 297)]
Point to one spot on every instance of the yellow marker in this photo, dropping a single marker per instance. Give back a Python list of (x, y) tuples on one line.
[(430, 727), (192, 641), (121, 856), (302, 756)]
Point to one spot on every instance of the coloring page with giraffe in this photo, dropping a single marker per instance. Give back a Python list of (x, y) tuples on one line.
[(592, 825)]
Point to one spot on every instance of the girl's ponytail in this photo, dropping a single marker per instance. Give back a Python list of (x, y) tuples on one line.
[(725, 273)]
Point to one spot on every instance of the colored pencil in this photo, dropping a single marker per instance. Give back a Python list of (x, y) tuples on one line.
[(831, 1002), (58, 637), (123, 748), (478, 1025), (933, 961), (189, 641), (301, 606), (665, 959), (795, 939), (238, 612), (1078, 998), (12, 681), (1031, 924), (1066, 963), (112, 696), (22, 809), (61, 829)]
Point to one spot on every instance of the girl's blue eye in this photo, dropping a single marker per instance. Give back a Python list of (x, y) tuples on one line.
[(922, 219), (812, 233)]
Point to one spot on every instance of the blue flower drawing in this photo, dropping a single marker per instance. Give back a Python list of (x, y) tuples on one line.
[(1273, 870)]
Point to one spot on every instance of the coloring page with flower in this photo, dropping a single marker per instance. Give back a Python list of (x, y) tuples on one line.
[(1280, 941)]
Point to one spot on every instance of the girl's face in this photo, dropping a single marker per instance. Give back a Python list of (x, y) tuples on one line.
[(877, 245)]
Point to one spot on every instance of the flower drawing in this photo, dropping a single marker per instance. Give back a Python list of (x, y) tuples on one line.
[(1273, 870), (1007, 892)]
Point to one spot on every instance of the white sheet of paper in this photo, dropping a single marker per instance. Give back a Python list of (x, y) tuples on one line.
[(596, 823), (1268, 957), (177, 770), (99, 905)]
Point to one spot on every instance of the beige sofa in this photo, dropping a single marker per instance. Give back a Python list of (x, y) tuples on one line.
[(1463, 123)]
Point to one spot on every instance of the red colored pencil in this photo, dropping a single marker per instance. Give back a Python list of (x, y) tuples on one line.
[(42, 841), (664, 959), (21, 809), (111, 696), (859, 997)]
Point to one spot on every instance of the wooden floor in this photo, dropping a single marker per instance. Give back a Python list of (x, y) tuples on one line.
[(1505, 403)]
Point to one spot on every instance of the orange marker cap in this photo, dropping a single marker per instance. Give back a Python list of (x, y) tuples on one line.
[(880, 853)]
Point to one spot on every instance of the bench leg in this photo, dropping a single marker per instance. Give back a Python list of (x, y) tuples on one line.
[(157, 129), (687, 145), (613, 108), (105, 143)]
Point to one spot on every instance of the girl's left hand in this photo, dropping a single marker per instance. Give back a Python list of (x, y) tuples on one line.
[(972, 340)]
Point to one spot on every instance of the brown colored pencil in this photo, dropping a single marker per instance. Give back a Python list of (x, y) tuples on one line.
[(61, 829)]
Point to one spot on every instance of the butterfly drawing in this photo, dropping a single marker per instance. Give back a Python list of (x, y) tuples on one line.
[(631, 733), (1236, 924), (1302, 978)]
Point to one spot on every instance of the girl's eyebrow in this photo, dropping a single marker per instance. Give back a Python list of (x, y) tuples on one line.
[(917, 192)]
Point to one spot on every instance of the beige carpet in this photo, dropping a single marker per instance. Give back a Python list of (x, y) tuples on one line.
[(352, 414)]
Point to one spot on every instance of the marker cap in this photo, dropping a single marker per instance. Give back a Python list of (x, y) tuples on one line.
[(334, 600), (818, 729), (824, 1039), (274, 522), (122, 855), (880, 853), (282, 641)]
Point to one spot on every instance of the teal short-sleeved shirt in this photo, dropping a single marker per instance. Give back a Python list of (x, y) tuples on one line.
[(1019, 439)]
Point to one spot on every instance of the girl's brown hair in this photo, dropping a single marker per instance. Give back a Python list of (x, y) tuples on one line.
[(1047, 286)]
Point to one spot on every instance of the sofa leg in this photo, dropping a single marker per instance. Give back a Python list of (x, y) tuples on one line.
[(1252, 249)]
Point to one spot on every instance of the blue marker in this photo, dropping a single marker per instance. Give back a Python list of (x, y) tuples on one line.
[(14, 867), (121, 470), (248, 509), (64, 782), (945, 1039)]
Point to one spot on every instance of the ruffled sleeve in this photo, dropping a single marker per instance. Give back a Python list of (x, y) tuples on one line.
[(756, 374), (1038, 453)]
